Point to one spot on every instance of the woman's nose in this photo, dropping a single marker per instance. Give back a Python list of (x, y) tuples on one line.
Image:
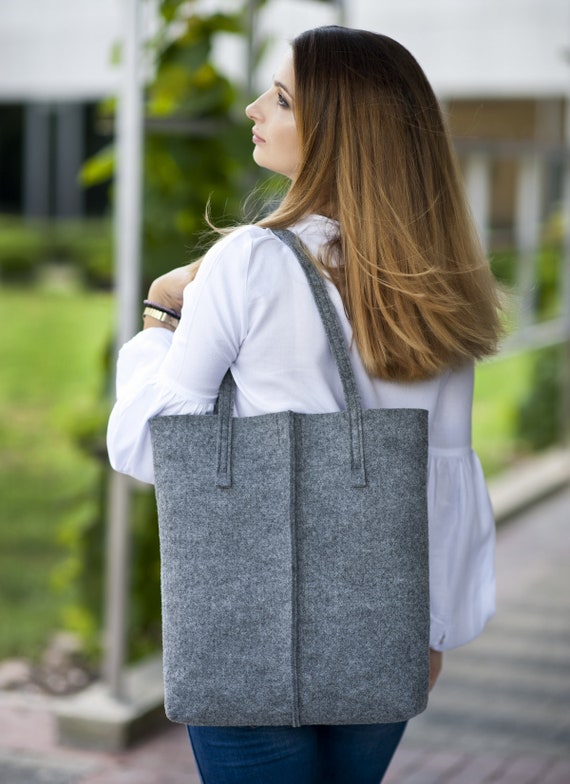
[(251, 110)]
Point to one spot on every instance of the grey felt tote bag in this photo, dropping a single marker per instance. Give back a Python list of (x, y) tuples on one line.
[(294, 554)]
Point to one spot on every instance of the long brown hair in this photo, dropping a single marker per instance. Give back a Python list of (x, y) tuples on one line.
[(377, 157)]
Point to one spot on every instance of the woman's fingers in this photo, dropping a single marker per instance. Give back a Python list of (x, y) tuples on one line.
[(435, 664)]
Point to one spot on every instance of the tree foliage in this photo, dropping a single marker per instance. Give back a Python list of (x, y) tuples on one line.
[(197, 148)]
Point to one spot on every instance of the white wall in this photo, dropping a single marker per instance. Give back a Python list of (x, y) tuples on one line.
[(61, 49), (57, 49), (479, 47), (468, 48)]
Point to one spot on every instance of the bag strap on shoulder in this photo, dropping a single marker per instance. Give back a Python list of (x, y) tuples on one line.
[(328, 316), (333, 329)]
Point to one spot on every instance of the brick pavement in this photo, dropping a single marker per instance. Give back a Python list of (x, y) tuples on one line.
[(499, 715), (501, 711)]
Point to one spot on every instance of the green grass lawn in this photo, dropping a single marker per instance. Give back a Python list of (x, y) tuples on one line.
[(51, 349), (500, 386), (51, 354)]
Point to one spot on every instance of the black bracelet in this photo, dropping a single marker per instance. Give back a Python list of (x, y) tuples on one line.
[(162, 309)]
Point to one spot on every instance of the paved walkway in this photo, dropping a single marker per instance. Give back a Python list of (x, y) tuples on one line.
[(499, 715), (501, 711)]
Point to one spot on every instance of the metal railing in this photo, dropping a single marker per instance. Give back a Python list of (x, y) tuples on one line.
[(532, 160), (531, 206)]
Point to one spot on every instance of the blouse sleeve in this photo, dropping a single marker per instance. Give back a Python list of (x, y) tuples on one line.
[(462, 527), (163, 373)]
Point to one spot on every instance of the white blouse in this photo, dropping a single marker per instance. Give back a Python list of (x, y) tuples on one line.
[(250, 308)]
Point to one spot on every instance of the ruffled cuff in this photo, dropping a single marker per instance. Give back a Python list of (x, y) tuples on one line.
[(462, 548)]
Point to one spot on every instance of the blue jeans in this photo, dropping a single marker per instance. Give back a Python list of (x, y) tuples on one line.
[(347, 754)]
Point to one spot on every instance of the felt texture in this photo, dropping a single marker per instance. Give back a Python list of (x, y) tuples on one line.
[(294, 552)]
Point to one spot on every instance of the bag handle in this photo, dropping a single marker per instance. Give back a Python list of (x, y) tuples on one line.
[(333, 329), (331, 324)]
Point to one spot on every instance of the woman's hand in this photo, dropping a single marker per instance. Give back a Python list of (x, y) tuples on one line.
[(167, 290), (435, 664)]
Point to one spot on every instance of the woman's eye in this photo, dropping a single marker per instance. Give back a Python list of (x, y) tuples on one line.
[(282, 101)]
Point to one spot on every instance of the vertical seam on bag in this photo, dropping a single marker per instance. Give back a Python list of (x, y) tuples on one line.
[(293, 438)]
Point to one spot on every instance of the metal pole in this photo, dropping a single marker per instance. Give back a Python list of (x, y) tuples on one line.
[(127, 255), (341, 5), (565, 370), (478, 186), (250, 43), (528, 234), (36, 172)]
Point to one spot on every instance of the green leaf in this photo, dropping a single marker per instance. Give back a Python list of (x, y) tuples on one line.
[(169, 9), (99, 168)]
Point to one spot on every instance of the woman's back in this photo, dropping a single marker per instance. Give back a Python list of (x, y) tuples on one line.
[(253, 311), (351, 119)]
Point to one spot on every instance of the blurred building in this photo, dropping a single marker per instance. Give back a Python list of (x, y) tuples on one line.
[(501, 69), (55, 66)]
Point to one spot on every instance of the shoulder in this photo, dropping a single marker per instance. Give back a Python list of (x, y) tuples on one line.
[(239, 244), (230, 257), (249, 254), (245, 241), (254, 252)]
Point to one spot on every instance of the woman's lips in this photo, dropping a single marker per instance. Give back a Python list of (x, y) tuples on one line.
[(257, 139)]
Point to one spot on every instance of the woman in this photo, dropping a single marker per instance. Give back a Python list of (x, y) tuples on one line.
[(376, 197)]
